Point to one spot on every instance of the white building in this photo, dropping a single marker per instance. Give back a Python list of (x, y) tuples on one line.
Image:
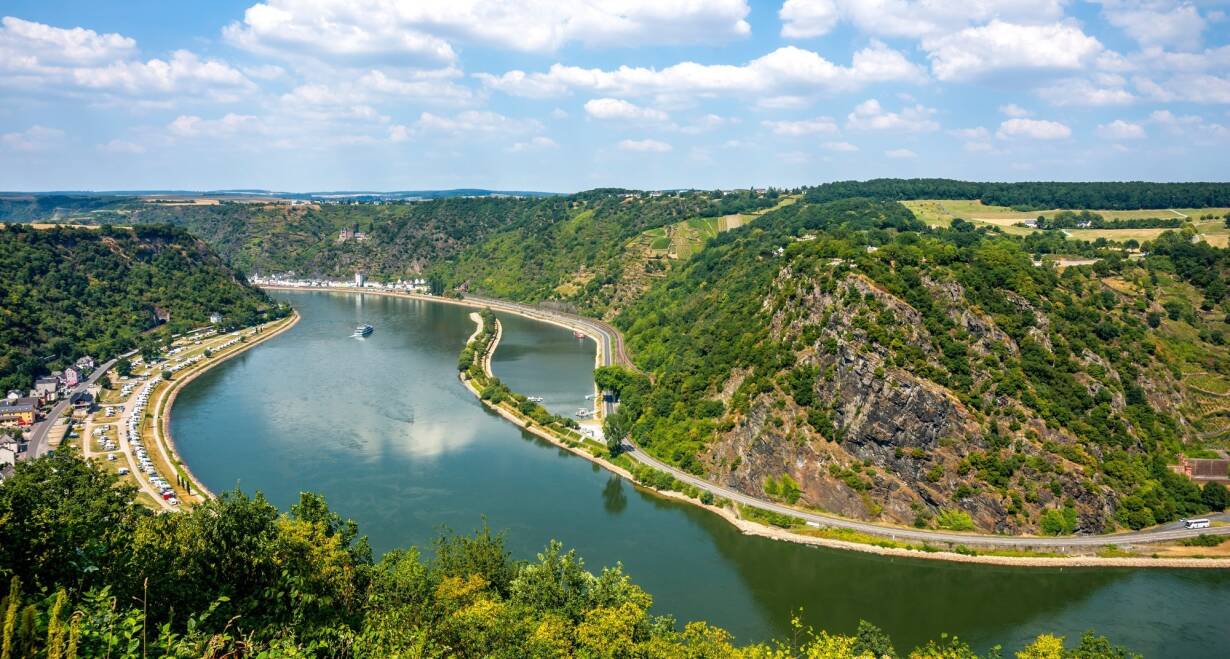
[(360, 279)]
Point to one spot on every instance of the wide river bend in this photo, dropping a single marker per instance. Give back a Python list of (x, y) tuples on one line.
[(383, 428)]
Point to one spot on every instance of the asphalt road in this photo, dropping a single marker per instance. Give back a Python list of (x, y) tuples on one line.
[(38, 439), (613, 352)]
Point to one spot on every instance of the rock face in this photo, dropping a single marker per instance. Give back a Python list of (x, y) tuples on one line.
[(879, 440)]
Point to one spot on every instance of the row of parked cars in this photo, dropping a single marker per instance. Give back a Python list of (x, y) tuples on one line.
[(138, 446)]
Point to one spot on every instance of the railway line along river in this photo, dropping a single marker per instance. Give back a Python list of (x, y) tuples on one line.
[(383, 428)]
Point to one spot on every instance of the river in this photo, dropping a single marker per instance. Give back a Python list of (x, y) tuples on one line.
[(382, 427)]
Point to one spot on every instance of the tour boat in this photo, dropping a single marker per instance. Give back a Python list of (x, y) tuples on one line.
[(578, 333), (363, 330)]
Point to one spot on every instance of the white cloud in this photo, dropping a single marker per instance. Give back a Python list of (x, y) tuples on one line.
[(50, 59), (537, 143), (870, 115), (840, 146), (559, 113), (420, 31), (1103, 90), (1014, 110), (474, 122), (34, 138), (808, 18), (1121, 130), (34, 46), (614, 108), (1184, 125), (1037, 129), (1189, 88), (977, 51), (121, 146), (803, 127), (909, 18), (707, 123), (976, 133), (900, 153), (645, 146), (1156, 22), (194, 126), (783, 72)]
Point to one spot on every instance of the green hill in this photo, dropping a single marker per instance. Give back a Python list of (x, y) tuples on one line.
[(847, 357), (65, 293)]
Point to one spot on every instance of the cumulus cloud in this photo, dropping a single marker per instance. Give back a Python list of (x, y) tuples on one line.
[(1100, 91), (1014, 110), (900, 153), (870, 115), (394, 31), (909, 18), (121, 146), (537, 143), (782, 72), (840, 146), (1121, 130), (53, 59), (644, 146), (1156, 22), (614, 108), (1036, 129), (803, 127), (1189, 88), (474, 122), (998, 45), (34, 138), (194, 126)]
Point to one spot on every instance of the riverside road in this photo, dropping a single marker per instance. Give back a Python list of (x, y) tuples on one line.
[(613, 352)]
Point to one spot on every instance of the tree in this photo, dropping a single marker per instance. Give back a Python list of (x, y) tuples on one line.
[(615, 428), (1215, 496), (123, 367), (65, 522), (873, 641), (166, 375)]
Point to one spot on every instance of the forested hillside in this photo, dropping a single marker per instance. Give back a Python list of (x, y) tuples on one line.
[(1034, 195), (88, 574), (401, 239), (580, 259), (845, 356), (65, 293)]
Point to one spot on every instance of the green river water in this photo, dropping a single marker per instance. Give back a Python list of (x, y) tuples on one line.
[(382, 427)]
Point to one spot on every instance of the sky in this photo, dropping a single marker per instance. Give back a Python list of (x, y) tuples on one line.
[(566, 95)]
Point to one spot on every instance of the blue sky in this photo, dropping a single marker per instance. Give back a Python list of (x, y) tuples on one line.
[(575, 94)]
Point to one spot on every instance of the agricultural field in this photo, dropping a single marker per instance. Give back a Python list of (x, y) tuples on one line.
[(940, 212), (683, 239)]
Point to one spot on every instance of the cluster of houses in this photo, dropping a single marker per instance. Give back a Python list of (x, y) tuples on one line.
[(23, 410), (290, 280)]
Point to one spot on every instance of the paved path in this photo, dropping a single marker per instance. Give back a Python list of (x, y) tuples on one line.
[(613, 352)]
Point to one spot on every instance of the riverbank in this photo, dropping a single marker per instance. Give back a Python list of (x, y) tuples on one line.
[(163, 407), (837, 533), (749, 527)]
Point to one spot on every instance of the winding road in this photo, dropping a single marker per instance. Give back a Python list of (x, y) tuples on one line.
[(38, 439), (613, 352)]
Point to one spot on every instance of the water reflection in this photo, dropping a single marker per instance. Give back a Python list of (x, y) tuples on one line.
[(614, 500), (384, 430)]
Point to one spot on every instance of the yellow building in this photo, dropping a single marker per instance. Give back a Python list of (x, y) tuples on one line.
[(18, 411)]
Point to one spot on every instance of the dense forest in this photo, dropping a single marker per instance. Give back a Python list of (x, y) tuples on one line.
[(1039, 195), (577, 258), (65, 293), (47, 207), (901, 372), (87, 574)]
